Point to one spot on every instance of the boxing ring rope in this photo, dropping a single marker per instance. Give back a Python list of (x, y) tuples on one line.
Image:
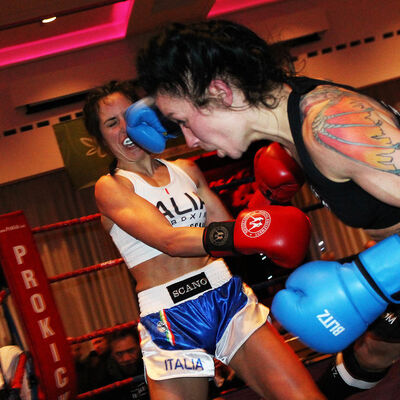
[(97, 267), (230, 183), (111, 386), (102, 332), (17, 222), (63, 224)]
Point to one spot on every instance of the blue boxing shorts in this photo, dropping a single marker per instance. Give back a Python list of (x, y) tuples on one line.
[(184, 323)]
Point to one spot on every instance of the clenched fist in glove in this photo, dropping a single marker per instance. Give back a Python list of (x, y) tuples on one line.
[(282, 233), (277, 174), (328, 305), (144, 128)]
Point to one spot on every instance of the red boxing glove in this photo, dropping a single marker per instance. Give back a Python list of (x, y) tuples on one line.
[(277, 174), (281, 233)]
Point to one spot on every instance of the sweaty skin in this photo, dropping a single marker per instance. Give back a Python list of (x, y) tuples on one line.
[(358, 133)]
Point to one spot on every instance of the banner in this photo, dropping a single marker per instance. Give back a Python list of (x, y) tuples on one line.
[(84, 159), (32, 295)]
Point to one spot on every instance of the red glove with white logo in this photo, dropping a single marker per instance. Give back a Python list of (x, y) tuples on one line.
[(277, 174), (281, 233)]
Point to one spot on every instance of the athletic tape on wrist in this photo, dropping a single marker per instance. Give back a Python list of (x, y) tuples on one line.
[(353, 374), (218, 239)]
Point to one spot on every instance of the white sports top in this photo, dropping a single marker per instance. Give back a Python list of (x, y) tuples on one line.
[(178, 201)]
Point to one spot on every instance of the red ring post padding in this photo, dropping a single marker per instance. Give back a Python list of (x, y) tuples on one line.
[(16, 382), (31, 293)]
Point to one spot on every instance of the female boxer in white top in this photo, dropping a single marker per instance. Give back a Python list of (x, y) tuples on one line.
[(191, 308)]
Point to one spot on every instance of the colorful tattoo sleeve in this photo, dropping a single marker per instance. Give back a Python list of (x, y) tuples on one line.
[(349, 125)]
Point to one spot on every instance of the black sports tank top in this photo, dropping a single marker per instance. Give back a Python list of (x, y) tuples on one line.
[(348, 201)]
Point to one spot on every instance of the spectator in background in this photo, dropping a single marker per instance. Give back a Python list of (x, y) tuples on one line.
[(76, 351), (94, 370), (100, 345), (77, 354), (125, 356), (125, 361)]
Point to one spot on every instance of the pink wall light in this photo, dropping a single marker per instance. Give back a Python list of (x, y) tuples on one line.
[(114, 30), (222, 7)]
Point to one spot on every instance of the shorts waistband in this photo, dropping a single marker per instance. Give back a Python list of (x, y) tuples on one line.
[(187, 287)]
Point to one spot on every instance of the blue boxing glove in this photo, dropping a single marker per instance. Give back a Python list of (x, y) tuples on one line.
[(328, 305), (144, 128)]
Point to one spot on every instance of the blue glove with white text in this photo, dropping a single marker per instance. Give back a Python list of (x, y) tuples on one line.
[(328, 305)]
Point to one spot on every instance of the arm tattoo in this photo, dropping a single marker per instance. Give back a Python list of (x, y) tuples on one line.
[(356, 133)]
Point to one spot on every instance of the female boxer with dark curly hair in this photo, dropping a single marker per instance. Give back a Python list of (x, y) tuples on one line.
[(227, 88)]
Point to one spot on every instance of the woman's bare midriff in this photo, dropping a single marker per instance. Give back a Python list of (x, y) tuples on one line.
[(164, 268)]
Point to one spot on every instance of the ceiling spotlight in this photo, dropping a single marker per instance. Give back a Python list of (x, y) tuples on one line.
[(47, 20)]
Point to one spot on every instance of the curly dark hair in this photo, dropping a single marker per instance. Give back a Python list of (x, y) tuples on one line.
[(182, 60), (91, 107)]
